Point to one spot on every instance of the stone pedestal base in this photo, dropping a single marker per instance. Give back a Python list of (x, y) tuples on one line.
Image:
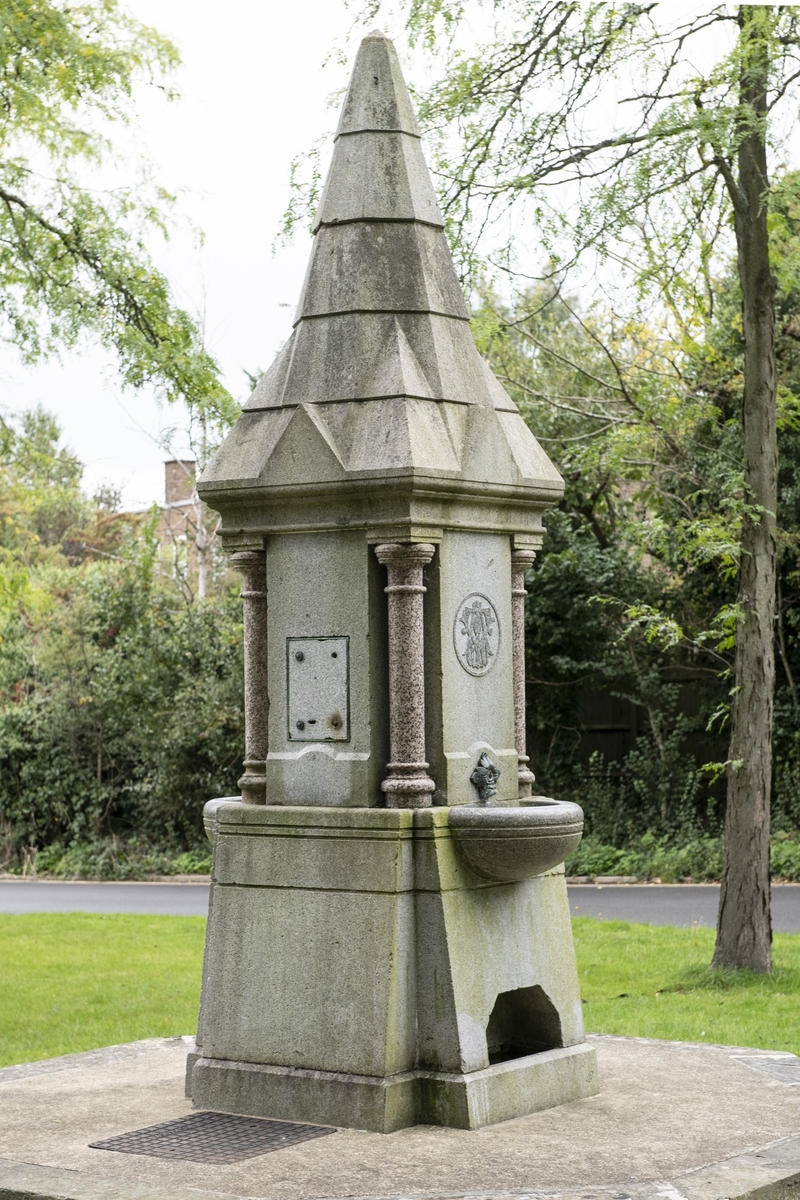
[(357, 973), (383, 1105)]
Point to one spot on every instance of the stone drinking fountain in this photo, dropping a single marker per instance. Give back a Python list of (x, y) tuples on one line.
[(389, 940)]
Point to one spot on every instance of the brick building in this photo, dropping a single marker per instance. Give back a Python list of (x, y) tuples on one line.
[(186, 530)]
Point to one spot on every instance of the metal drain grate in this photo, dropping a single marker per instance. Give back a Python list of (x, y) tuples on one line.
[(212, 1137)]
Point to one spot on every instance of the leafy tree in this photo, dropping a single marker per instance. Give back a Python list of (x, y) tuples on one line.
[(119, 707), (120, 699), (42, 480), (632, 594), (74, 258), (596, 123)]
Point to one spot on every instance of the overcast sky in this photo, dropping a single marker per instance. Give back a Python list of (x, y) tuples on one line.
[(253, 96)]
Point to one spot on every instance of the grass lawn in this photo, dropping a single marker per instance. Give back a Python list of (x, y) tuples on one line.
[(653, 981), (76, 981)]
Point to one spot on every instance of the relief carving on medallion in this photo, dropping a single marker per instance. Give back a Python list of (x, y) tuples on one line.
[(476, 634)]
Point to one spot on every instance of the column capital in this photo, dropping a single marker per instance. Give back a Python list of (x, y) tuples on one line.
[(405, 554), (521, 561), (252, 564), (232, 543), (528, 541), (242, 559), (522, 558)]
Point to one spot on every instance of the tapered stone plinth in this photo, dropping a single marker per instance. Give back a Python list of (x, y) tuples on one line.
[(366, 919)]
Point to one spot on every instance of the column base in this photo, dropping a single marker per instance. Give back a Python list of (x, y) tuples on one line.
[(408, 785), (525, 776), (385, 1104), (253, 783)]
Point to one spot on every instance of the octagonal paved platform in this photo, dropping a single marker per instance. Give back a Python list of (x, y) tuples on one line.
[(673, 1120)]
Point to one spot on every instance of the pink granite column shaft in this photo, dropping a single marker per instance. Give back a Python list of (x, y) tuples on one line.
[(253, 566), (407, 784), (521, 560)]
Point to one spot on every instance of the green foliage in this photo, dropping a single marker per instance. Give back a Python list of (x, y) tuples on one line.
[(193, 862), (122, 709), (78, 981), (115, 858), (785, 857), (634, 593), (40, 488), (613, 131), (662, 793), (58, 63), (74, 258), (120, 698), (608, 135), (576, 642), (652, 857), (305, 191)]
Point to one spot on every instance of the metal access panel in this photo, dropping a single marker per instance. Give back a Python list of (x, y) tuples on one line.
[(318, 686)]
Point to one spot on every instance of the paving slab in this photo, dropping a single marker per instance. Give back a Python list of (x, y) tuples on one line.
[(674, 1121)]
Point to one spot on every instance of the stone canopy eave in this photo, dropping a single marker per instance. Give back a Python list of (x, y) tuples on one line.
[(416, 505), (414, 482), (293, 449)]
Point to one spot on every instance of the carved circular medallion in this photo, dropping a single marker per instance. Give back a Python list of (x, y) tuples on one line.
[(476, 634)]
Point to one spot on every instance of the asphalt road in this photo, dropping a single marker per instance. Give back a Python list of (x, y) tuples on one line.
[(654, 904), (676, 904), (167, 899)]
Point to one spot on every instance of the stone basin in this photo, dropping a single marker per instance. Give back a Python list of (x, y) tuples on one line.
[(510, 844)]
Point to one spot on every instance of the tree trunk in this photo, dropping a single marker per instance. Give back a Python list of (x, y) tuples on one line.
[(744, 932)]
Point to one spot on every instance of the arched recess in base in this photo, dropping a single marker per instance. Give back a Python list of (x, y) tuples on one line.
[(524, 1021)]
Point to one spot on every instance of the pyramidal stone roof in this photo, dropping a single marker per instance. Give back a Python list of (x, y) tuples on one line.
[(381, 371)]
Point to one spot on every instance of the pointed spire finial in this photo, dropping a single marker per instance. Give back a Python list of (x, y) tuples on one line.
[(377, 98), (378, 172)]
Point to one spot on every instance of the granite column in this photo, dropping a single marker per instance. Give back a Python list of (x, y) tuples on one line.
[(521, 561), (253, 566), (407, 784)]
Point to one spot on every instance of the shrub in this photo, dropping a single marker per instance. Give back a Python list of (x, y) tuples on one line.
[(785, 857), (121, 713), (651, 857), (116, 858)]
